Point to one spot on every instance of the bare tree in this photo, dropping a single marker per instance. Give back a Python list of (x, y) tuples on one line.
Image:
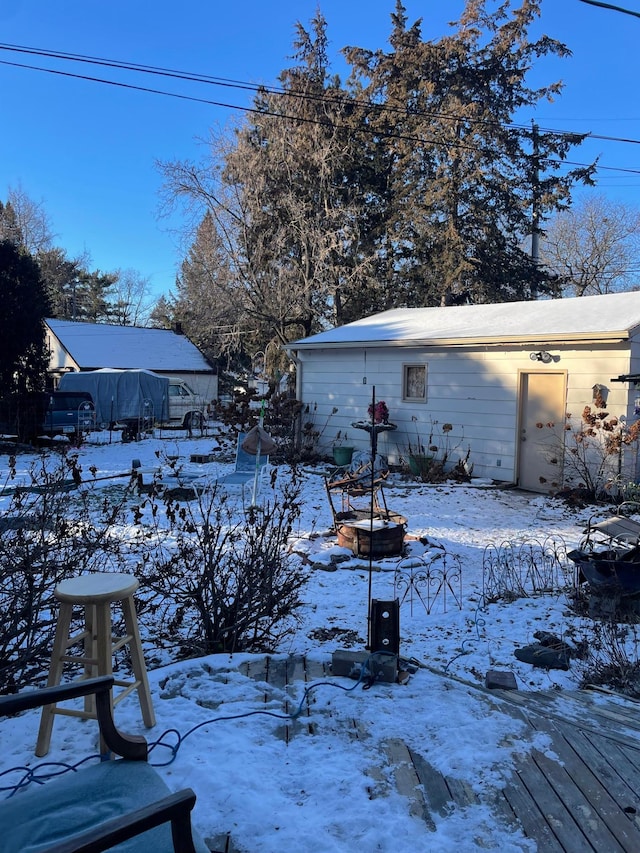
[(594, 247), (32, 221), (284, 227), (130, 298)]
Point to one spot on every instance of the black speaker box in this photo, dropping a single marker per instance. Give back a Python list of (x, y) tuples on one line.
[(385, 626)]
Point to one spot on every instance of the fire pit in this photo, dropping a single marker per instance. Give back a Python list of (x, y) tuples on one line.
[(375, 537)]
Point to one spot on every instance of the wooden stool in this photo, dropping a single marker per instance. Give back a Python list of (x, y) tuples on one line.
[(96, 592)]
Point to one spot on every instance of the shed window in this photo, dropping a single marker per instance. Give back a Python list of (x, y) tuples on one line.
[(414, 382)]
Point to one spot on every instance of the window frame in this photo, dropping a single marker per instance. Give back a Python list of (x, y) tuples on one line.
[(406, 396)]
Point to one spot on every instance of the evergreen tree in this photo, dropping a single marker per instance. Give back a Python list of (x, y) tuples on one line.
[(62, 276), (284, 221), (409, 185), (162, 314), (206, 303), (298, 215), (9, 227), (23, 356), (458, 179), (92, 297)]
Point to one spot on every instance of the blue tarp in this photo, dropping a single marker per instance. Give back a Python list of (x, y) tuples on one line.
[(122, 395)]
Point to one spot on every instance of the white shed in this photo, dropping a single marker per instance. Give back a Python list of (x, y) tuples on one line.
[(505, 377)]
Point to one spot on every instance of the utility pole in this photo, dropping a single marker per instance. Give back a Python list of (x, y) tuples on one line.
[(535, 180), (535, 206)]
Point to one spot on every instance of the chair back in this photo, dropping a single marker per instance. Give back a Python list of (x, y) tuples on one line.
[(246, 462)]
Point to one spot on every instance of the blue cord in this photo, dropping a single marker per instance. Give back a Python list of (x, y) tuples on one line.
[(294, 716), (35, 774)]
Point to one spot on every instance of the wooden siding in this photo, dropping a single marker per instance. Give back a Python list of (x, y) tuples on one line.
[(59, 359), (473, 388)]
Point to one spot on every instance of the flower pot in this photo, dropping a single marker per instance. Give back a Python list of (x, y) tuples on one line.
[(342, 455), (419, 464)]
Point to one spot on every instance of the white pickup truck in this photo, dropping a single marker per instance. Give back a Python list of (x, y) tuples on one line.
[(185, 407)]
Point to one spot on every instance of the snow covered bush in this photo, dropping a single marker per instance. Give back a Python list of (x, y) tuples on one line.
[(51, 527), (222, 579), (595, 449)]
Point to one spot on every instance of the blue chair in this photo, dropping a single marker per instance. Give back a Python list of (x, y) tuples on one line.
[(120, 802), (249, 470)]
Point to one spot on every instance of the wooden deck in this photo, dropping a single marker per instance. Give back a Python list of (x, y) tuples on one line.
[(589, 798), (586, 798)]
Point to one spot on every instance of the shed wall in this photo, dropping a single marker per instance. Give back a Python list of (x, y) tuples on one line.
[(205, 385), (473, 388)]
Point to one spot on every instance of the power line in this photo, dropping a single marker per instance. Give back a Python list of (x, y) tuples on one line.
[(257, 110), (611, 6), (118, 84), (131, 66), (230, 83), (244, 85), (271, 90)]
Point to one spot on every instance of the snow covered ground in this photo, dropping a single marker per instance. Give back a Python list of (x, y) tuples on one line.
[(318, 792)]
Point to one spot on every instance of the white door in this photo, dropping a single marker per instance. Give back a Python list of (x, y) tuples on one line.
[(541, 437)]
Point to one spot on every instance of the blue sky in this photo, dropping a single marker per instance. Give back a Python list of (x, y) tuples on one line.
[(88, 151)]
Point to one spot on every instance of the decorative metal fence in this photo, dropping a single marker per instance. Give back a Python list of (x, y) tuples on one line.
[(524, 567), (429, 580)]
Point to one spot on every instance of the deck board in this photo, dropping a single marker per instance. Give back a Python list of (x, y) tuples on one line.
[(582, 795), (528, 814)]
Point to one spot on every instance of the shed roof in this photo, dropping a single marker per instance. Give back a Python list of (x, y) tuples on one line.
[(96, 345), (588, 318)]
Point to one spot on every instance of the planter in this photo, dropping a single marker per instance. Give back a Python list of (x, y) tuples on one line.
[(420, 464), (342, 455)]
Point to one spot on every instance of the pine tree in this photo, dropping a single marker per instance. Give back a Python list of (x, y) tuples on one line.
[(289, 167), (9, 227), (162, 314), (23, 357), (457, 202), (206, 302), (408, 185)]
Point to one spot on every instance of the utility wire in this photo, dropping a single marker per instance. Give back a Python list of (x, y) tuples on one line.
[(611, 6), (193, 77), (323, 97), (257, 88), (386, 134)]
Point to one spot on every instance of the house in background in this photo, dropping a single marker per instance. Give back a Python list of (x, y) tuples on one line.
[(505, 376), (91, 346)]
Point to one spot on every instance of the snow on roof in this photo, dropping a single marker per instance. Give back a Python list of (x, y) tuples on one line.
[(95, 345), (587, 317)]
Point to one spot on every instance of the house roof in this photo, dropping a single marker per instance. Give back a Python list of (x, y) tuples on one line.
[(95, 345), (588, 318)]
